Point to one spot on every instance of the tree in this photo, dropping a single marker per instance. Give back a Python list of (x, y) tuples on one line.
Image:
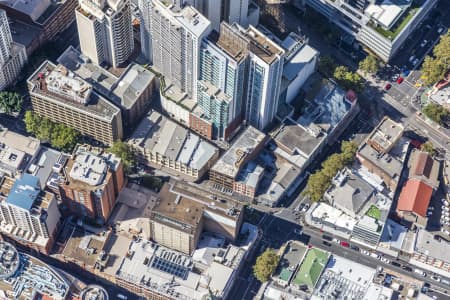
[(436, 112), (348, 79), (429, 148), (31, 122), (63, 137), (326, 65), (265, 264), (10, 102), (348, 149), (434, 68), (317, 185), (333, 163), (125, 152), (370, 64)]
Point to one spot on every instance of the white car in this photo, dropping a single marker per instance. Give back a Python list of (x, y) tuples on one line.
[(424, 42), (298, 231), (415, 62), (385, 260), (336, 241), (436, 278), (365, 252), (440, 29), (305, 208), (375, 255), (412, 58)]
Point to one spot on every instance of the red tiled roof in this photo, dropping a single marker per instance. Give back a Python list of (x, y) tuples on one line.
[(423, 166), (415, 197)]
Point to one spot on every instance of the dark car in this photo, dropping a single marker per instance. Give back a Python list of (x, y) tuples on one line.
[(327, 237), (396, 264), (326, 243), (388, 86), (406, 268), (356, 248)]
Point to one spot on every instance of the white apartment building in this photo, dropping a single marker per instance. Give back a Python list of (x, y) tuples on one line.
[(105, 30), (382, 26), (12, 55), (27, 213), (266, 60), (171, 39)]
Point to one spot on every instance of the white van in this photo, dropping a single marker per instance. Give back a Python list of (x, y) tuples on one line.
[(420, 272)]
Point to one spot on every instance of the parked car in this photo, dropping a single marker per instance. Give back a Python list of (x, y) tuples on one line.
[(400, 80), (415, 62), (420, 272), (407, 268), (411, 58), (345, 244), (353, 247), (424, 42), (440, 29), (385, 260), (365, 252), (396, 264), (327, 237), (387, 86), (375, 255), (436, 278), (305, 208), (337, 241), (395, 77), (326, 243), (298, 231)]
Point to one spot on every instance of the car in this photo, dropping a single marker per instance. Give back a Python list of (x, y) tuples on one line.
[(415, 62), (429, 213), (395, 77), (326, 243), (345, 244), (387, 86), (440, 29), (300, 207), (375, 255), (298, 231), (327, 237), (353, 247), (337, 241), (365, 252), (396, 264), (424, 42), (385, 260), (400, 80), (407, 268), (435, 278), (420, 272), (445, 281), (305, 208), (411, 58)]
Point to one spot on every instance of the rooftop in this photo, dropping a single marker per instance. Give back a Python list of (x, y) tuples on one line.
[(415, 197), (235, 157), (183, 207), (32, 276), (347, 184), (345, 278), (59, 85), (385, 135), (9, 260), (293, 254), (385, 13), (32, 8), (262, 46), (24, 192), (231, 40), (28, 145), (424, 168), (328, 214), (426, 244), (182, 145), (393, 235), (311, 268)]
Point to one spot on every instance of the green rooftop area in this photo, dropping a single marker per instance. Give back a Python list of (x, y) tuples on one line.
[(401, 23), (311, 268), (374, 212)]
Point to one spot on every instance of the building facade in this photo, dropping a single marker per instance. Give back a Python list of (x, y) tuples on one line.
[(266, 60), (382, 27), (13, 55), (106, 31), (171, 36), (64, 98), (28, 215), (92, 182)]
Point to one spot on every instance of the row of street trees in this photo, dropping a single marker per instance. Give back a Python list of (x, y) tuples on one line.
[(343, 76), (319, 182), (434, 67)]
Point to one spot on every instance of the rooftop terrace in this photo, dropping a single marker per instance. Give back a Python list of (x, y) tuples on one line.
[(262, 46)]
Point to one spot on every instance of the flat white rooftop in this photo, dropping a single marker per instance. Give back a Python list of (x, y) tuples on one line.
[(385, 14)]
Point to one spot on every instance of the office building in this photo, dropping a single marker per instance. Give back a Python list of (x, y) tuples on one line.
[(23, 276), (162, 143), (132, 91), (93, 180), (171, 39), (59, 95), (46, 18), (183, 212), (222, 79), (16, 152), (28, 215), (225, 172), (381, 26), (105, 30), (12, 55), (266, 60)]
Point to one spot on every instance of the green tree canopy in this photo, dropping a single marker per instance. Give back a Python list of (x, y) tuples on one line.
[(348, 149), (125, 152), (265, 265), (59, 136), (370, 64), (10, 102), (347, 79), (436, 112), (434, 68), (428, 147)]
